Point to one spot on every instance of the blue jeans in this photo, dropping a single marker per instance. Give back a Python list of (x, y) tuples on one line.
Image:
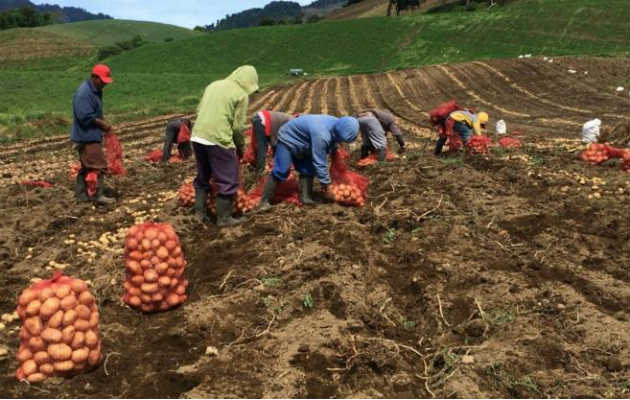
[(282, 161), (459, 127)]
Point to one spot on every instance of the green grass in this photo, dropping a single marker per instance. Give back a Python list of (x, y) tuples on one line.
[(109, 31), (163, 76)]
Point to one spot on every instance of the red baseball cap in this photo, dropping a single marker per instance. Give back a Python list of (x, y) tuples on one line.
[(103, 72)]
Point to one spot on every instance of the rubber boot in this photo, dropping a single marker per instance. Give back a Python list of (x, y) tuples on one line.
[(268, 192), (201, 206), (224, 212), (382, 154), (305, 195), (80, 190), (365, 151), (100, 197), (309, 188), (438, 146)]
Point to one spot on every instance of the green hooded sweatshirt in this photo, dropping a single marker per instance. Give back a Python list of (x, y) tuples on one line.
[(222, 112)]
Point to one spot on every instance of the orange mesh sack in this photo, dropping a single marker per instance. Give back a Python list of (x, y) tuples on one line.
[(155, 268), (59, 334), (595, 153), (625, 164), (373, 158), (74, 170), (348, 188), (509, 142), (186, 194), (478, 144)]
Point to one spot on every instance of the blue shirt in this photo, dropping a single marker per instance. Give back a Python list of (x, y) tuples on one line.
[(315, 136), (87, 105)]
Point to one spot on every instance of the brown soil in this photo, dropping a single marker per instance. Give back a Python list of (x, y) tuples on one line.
[(496, 276)]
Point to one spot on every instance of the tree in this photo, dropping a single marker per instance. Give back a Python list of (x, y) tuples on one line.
[(401, 5), (24, 17)]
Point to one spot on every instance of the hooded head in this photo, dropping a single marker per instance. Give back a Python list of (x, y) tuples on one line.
[(246, 77), (346, 129)]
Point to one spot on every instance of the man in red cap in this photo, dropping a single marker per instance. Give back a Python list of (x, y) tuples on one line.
[(87, 132)]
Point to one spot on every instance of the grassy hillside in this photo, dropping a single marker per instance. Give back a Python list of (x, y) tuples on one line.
[(550, 27), (25, 44), (171, 76), (107, 32)]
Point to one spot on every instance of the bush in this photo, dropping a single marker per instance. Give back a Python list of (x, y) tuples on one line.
[(108, 51), (168, 39), (314, 18)]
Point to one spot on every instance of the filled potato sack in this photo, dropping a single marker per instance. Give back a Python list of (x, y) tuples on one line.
[(155, 268), (59, 334)]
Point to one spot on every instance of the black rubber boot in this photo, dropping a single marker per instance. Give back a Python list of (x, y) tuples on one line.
[(201, 206), (365, 151), (438, 146), (268, 192), (224, 212), (80, 189), (305, 190), (382, 154), (100, 197)]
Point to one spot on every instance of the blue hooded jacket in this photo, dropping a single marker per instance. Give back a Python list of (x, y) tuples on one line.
[(315, 136)]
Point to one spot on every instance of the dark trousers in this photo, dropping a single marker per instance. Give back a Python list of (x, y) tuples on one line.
[(262, 143), (169, 139), (218, 163)]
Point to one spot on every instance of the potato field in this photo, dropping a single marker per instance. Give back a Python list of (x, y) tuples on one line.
[(498, 275)]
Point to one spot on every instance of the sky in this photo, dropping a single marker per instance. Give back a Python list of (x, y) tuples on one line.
[(187, 13)]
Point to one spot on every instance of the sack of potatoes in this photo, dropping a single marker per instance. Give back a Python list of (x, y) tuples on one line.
[(59, 334), (155, 268)]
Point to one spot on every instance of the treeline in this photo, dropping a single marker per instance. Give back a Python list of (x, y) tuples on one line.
[(24, 17), (274, 13)]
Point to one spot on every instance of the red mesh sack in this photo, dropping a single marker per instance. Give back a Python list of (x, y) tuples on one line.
[(347, 187), (439, 114), (614, 152), (373, 158), (114, 155), (155, 268), (286, 191), (595, 153), (42, 184), (156, 156), (59, 334), (91, 179), (249, 156), (453, 139), (509, 142), (478, 144), (184, 134)]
